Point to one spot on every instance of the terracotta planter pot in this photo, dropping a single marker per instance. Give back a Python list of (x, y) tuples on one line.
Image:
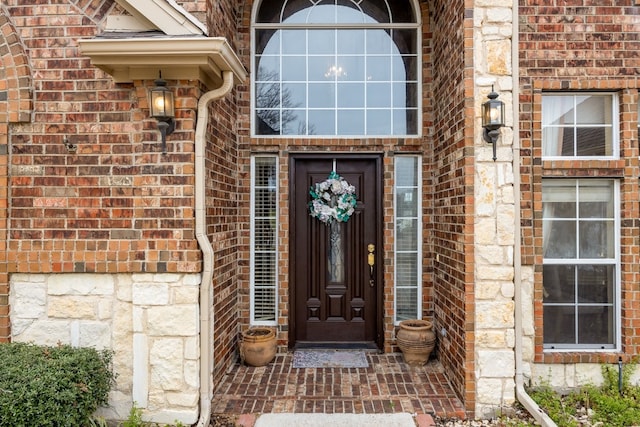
[(416, 340), (258, 346)]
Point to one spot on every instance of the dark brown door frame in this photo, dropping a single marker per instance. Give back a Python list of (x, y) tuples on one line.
[(379, 272)]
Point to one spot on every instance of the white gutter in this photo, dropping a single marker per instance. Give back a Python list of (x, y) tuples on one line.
[(521, 394), (206, 300)]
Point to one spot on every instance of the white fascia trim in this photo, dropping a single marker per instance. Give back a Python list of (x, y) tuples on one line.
[(203, 58), (168, 16)]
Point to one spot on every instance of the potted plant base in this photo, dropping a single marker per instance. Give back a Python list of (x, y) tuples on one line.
[(416, 340), (258, 346)]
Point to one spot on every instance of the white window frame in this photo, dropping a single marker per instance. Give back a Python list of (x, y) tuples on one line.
[(255, 26), (252, 274), (615, 261), (615, 125), (396, 251)]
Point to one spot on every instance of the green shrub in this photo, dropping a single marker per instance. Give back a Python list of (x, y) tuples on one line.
[(52, 386)]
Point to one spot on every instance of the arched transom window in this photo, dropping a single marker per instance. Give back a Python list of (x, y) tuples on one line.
[(336, 68)]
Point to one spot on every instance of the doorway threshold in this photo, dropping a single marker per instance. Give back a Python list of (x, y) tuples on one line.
[(311, 345)]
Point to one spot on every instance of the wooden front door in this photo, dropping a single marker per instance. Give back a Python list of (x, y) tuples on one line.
[(336, 293)]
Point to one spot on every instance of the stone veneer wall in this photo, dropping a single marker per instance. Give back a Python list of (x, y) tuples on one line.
[(494, 226), (150, 321)]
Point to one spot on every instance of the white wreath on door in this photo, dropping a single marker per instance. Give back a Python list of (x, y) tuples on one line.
[(333, 199)]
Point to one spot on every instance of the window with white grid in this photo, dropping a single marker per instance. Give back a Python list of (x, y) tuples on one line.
[(579, 125), (264, 248), (408, 238), (581, 223), (336, 67)]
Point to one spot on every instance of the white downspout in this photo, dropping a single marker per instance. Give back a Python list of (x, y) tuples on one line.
[(206, 300), (521, 394)]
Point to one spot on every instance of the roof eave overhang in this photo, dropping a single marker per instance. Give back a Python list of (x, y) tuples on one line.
[(178, 58), (167, 15)]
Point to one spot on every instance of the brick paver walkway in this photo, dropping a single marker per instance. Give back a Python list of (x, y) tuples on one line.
[(388, 385)]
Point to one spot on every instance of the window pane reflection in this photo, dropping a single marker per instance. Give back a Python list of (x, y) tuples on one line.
[(377, 54)]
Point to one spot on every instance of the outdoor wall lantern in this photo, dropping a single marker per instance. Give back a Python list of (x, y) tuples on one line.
[(162, 109), (492, 119)]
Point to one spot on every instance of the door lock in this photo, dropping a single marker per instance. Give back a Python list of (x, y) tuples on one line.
[(371, 260)]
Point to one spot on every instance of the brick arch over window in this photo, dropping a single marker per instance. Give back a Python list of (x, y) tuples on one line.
[(16, 102), (16, 105)]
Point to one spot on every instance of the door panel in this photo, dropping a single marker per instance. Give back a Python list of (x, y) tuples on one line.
[(336, 296)]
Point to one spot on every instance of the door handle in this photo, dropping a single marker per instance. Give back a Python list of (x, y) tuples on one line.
[(371, 260)]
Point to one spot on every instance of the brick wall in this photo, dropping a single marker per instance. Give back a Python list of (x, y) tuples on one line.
[(581, 45), (224, 231), (224, 223), (116, 204), (452, 169)]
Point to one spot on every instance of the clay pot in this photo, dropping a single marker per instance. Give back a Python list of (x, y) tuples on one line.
[(416, 340), (258, 346)]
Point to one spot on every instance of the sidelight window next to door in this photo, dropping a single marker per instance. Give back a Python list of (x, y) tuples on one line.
[(264, 226), (408, 238)]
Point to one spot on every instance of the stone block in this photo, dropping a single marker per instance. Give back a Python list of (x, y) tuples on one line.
[(485, 192), (147, 293), (493, 3), (140, 392), (192, 279), (496, 363), (490, 254), (495, 272), (139, 319), (165, 358), (118, 408), (18, 326), (507, 290), (192, 373), (46, 332), (549, 374), (489, 390), (499, 14), (95, 334), (485, 231), (487, 290), (166, 278), (187, 417), (185, 295), (505, 224), (491, 405), (498, 54), (494, 314), (175, 320), (27, 300), (81, 284), (192, 348), (588, 373), (123, 287), (72, 307), (184, 399), (105, 308), (491, 338)]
